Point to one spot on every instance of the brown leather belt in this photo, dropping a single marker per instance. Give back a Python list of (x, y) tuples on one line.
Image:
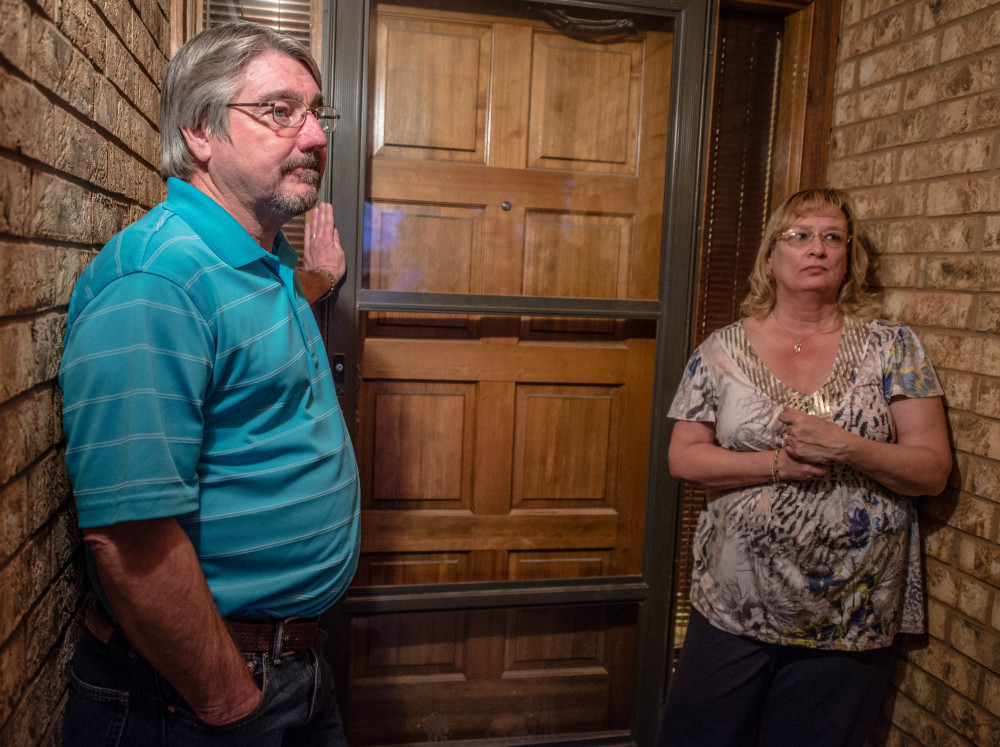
[(98, 624), (285, 636)]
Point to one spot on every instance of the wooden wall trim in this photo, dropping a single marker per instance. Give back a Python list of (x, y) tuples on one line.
[(802, 138)]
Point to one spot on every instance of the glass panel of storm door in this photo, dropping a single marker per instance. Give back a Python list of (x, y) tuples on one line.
[(508, 157)]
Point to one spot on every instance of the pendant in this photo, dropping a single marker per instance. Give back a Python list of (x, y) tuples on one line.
[(798, 346)]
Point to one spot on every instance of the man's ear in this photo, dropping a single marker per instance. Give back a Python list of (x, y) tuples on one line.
[(199, 141)]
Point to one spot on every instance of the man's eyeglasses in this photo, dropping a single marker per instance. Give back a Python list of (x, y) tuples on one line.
[(292, 113), (801, 239)]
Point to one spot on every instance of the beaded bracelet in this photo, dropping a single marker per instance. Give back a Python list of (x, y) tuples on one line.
[(333, 283), (775, 477)]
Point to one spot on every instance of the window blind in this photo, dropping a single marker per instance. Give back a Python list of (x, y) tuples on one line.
[(738, 193), (294, 17)]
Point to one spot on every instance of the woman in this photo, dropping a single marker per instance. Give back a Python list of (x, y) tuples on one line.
[(810, 426)]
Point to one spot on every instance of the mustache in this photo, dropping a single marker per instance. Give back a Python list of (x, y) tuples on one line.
[(308, 161)]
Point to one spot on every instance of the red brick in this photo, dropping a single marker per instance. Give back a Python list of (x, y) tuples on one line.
[(942, 83), (982, 478), (962, 273), (923, 727), (919, 686), (991, 694), (929, 16), (971, 721), (946, 159), (982, 560), (949, 666), (959, 388), (12, 666), (876, 34), (929, 235), (988, 403), (967, 115), (959, 591), (898, 59), (15, 35), (922, 307), (974, 35)]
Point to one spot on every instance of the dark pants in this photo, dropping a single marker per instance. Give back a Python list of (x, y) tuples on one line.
[(116, 698), (730, 690)]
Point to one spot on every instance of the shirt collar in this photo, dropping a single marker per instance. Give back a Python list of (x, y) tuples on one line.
[(220, 230)]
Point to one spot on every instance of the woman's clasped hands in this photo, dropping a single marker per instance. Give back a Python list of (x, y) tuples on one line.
[(810, 444)]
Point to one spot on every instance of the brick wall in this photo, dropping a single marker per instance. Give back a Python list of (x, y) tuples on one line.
[(79, 153), (916, 140)]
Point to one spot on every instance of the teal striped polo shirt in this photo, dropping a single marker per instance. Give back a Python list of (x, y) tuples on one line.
[(196, 385)]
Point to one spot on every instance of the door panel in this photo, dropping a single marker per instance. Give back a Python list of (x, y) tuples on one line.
[(414, 56), (603, 125), (501, 461), (566, 446), (504, 159), (425, 431), (577, 254), (491, 674)]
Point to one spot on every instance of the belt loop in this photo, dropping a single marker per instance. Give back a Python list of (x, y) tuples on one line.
[(279, 639)]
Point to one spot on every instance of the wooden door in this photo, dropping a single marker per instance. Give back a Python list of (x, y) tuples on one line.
[(506, 159)]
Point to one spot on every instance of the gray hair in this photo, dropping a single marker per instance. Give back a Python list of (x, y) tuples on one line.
[(205, 75)]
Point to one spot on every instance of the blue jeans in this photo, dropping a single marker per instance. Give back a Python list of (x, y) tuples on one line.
[(116, 698)]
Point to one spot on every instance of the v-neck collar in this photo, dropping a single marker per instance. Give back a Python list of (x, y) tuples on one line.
[(850, 353)]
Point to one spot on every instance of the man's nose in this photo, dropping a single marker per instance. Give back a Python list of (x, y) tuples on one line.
[(311, 134)]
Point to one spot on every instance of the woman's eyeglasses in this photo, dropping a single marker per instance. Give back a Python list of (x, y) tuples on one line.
[(801, 239)]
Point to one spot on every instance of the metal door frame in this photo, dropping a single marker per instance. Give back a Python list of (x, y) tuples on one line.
[(345, 44)]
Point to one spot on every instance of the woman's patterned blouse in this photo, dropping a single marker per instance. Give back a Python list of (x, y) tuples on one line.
[(831, 563)]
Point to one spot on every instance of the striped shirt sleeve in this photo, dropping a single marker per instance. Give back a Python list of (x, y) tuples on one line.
[(136, 365)]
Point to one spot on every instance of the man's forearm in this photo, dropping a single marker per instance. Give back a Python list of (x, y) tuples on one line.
[(157, 590)]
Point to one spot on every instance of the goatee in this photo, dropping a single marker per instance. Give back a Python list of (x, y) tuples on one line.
[(291, 205)]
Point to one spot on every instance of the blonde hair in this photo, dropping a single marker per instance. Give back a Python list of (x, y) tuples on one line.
[(855, 297)]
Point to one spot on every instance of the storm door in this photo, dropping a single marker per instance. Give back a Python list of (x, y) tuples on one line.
[(510, 316)]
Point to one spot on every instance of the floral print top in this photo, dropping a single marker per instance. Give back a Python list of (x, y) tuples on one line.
[(829, 563)]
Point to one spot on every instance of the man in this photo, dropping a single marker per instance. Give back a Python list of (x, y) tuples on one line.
[(215, 482)]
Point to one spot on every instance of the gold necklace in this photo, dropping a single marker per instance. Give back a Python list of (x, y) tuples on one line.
[(799, 340)]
